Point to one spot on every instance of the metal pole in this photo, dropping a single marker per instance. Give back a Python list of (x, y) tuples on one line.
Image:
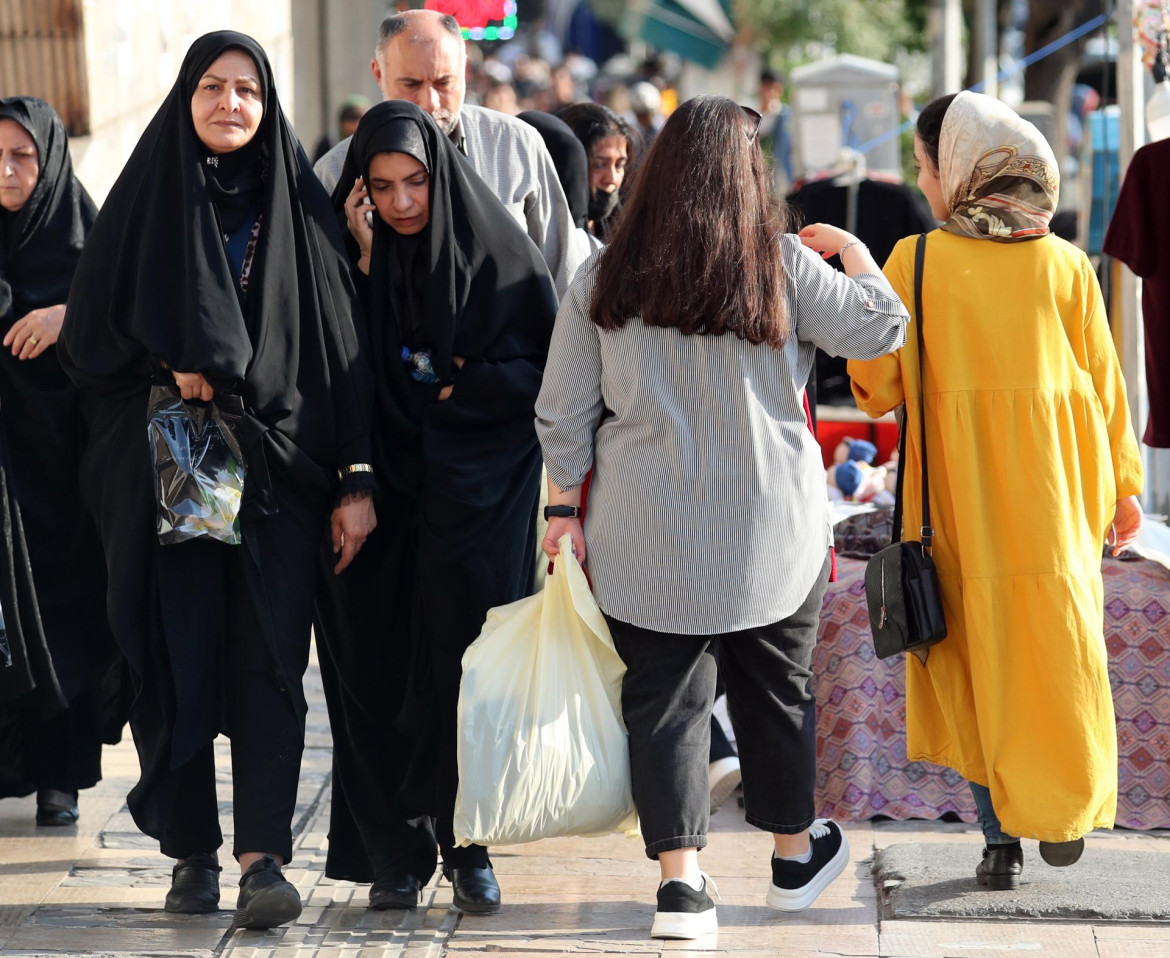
[(946, 28), (985, 27)]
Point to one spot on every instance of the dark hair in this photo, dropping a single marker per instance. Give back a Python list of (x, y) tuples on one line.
[(351, 113), (397, 23), (930, 122), (591, 123), (771, 76), (698, 248)]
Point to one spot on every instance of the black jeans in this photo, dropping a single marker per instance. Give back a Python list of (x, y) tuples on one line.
[(667, 696)]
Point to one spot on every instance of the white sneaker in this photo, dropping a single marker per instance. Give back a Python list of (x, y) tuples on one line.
[(723, 777), (796, 885), (684, 912)]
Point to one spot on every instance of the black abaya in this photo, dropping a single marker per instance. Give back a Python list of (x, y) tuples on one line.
[(568, 156), (458, 519), (39, 248), (156, 286)]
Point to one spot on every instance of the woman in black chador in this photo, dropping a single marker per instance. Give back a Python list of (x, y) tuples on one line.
[(460, 308), (45, 215), (216, 264)]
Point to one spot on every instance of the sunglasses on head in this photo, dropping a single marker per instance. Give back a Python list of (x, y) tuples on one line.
[(754, 118)]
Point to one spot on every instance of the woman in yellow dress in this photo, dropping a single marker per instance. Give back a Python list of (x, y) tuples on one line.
[(1033, 466)]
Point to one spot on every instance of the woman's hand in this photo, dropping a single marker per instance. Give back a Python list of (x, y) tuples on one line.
[(193, 386), (356, 209), (561, 527), (352, 522), (34, 333), (1127, 523), (445, 392), (825, 239)]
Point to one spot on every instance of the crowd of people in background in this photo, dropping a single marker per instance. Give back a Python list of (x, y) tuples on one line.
[(485, 277)]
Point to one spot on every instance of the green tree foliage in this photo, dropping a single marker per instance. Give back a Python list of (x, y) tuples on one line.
[(868, 28)]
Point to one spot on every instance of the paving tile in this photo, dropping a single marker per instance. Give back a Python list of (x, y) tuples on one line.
[(959, 939)]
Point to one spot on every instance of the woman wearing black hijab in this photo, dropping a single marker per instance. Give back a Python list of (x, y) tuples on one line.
[(216, 265), (45, 215), (460, 307)]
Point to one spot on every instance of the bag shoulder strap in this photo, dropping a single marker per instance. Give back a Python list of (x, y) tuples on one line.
[(927, 530)]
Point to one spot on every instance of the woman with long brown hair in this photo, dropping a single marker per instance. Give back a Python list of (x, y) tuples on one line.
[(708, 526)]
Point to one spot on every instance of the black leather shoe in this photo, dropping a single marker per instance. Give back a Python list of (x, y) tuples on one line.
[(476, 890), (395, 891), (1001, 867), (1062, 854), (267, 898), (55, 807), (194, 885)]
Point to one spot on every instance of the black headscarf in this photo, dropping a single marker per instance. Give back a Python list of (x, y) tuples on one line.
[(471, 284), (568, 156), (155, 282), (41, 242)]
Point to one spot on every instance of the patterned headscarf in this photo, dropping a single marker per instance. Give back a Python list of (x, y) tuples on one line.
[(999, 175)]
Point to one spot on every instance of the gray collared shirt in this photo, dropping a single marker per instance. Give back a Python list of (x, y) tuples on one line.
[(511, 158), (708, 510)]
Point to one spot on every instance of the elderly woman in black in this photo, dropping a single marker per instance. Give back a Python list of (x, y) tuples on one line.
[(45, 215), (216, 265), (460, 308)]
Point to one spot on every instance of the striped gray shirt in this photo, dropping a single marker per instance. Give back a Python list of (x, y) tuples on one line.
[(511, 158), (707, 511)]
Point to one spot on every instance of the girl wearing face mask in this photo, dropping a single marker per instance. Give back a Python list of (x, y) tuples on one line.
[(45, 215), (216, 265), (612, 146), (460, 308)]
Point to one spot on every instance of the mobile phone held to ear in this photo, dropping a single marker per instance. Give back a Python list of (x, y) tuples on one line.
[(370, 212)]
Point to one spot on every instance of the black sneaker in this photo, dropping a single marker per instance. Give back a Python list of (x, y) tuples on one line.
[(796, 885), (194, 885), (56, 808), (267, 898), (1062, 854), (1001, 867), (684, 912)]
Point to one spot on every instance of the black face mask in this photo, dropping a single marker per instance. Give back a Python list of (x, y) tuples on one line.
[(602, 205)]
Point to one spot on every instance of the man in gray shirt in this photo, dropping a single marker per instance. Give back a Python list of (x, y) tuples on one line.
[(421, 57)]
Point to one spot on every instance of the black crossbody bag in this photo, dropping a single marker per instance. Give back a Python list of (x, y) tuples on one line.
[(901, 584)]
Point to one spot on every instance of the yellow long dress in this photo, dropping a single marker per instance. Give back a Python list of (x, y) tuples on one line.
[(1030, 447)]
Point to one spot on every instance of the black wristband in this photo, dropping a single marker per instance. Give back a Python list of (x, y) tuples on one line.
[(562, 512)]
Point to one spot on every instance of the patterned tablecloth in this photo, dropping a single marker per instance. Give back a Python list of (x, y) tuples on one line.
[(861, 738)]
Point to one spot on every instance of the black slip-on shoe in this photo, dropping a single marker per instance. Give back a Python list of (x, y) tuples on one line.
[(56, 808), (476, 890), (796, 885), (684, 912), (1062, 854), (267, 898), (395, 891), (194, 885), (1001, 867)]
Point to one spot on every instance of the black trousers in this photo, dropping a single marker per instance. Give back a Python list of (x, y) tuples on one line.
[(667, 695), (262, 716)]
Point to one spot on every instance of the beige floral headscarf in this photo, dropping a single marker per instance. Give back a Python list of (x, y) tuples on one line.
[(999, 175)]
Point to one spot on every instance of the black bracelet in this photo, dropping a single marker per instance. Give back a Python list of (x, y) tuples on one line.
[(562, 512)]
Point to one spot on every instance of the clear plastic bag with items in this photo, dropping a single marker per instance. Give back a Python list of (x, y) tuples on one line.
[(543, 751), (199, 468)]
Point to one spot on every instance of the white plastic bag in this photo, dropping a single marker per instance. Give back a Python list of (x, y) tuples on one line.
[(543, 750)]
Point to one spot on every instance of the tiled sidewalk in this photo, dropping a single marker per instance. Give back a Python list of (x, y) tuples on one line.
[(98, 889)]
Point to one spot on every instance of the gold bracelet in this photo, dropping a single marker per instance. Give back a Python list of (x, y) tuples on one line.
[(355, 467)]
